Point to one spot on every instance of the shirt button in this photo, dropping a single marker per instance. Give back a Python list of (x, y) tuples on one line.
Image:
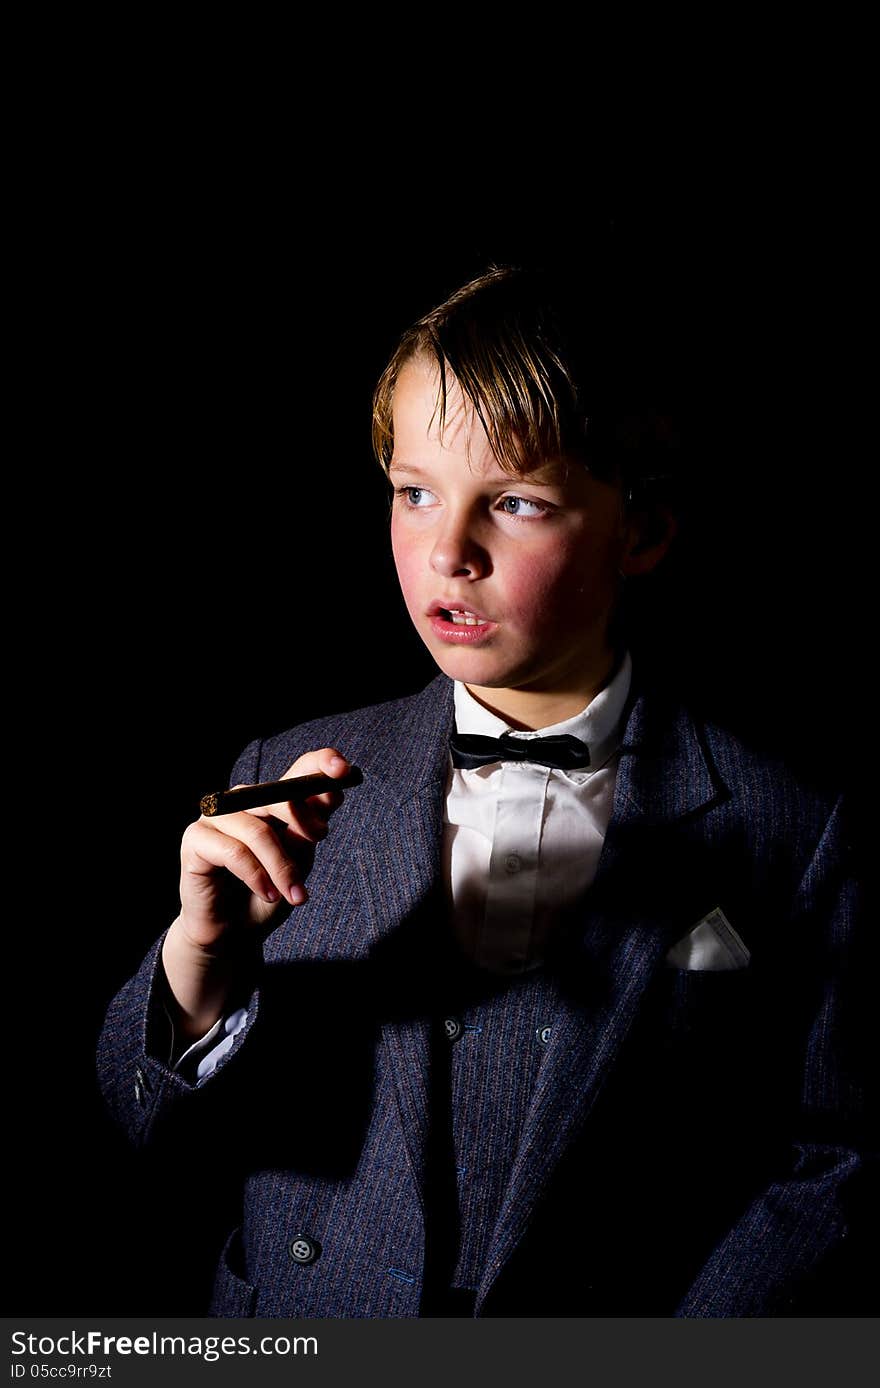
[(513, 862), (303, 1249), (453, 1028), (543, 1035)]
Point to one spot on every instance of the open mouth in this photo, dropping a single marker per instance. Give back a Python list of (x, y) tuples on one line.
[(459, 625), (461, 617)]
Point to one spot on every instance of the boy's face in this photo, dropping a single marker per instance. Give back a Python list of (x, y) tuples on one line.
[(535, 558)]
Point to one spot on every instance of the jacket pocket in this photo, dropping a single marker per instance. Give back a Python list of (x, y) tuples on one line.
[(232, 1295), (720, 1013), (696, 990)]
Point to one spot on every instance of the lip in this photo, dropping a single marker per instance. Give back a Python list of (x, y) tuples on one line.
[(438, 607), (457, 633)]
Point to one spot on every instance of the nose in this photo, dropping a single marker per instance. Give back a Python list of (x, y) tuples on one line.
[(457, 553)]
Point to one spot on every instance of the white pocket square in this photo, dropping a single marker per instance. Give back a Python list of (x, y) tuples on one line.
[(712, 944)]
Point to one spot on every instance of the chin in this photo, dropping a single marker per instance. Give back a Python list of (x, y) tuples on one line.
[(469, 667)]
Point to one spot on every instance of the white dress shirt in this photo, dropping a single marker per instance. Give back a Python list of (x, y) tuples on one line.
[(521, 843)]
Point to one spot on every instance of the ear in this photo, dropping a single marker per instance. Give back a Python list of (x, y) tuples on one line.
[(647, 534)]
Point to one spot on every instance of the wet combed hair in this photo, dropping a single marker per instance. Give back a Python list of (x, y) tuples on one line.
[(552, 372)]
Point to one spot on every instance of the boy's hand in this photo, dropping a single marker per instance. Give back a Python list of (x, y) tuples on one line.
[(237, 872), (240, 869)]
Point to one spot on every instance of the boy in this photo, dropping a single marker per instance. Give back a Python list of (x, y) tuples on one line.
[(554, 1022)]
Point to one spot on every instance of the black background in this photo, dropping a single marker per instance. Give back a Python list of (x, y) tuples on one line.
[(206, 532)]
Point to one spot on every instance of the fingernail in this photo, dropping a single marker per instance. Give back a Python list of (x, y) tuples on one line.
[(298, 895), (337, 761), (273, 893)]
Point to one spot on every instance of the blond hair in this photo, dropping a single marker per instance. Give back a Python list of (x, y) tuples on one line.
[(535, 363)]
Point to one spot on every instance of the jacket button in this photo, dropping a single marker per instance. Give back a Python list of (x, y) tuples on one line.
[(543, 1035), (303, 1249), (453, 1028)]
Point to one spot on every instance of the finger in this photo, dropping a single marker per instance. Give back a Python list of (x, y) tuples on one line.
[(300, 823), (204, 850), (286, 850), (309, 817), (331, 761), (248, 847)]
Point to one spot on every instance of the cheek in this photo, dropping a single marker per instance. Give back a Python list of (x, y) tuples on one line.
[(575, 575), (407, 560)]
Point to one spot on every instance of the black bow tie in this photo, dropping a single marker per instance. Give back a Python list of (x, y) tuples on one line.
[(563, 751)]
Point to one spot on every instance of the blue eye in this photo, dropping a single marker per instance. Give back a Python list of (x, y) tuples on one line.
[(508, 504), (417, 498), (414, 496)]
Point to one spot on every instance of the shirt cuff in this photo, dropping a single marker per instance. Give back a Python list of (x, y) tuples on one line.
[(208, 1048), (229, 1028)]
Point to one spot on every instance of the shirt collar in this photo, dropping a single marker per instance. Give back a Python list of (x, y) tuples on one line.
[(598, 725)]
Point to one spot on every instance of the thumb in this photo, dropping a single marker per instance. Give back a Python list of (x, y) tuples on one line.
[(327, 759)]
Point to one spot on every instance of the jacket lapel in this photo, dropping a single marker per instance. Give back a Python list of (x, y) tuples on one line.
[(633, 911), (398, 863)]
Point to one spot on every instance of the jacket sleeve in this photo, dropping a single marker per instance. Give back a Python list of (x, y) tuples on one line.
[(796, 1248), (140, 1085)]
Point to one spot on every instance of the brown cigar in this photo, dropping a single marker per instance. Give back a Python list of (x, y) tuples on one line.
[(294, 788)]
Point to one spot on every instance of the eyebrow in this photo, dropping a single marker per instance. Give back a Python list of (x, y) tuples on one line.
[(395, 466), (508, 478)]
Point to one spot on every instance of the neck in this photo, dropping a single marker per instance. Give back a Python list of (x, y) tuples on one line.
[(531, 707)]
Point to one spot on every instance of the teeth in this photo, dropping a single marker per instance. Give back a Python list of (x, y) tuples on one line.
[(464, 619)]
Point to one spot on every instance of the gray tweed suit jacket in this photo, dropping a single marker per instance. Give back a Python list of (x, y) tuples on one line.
[(694, 1142)]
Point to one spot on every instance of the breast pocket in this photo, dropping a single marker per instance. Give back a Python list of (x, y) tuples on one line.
[(710, 1000), (711, 1030)]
